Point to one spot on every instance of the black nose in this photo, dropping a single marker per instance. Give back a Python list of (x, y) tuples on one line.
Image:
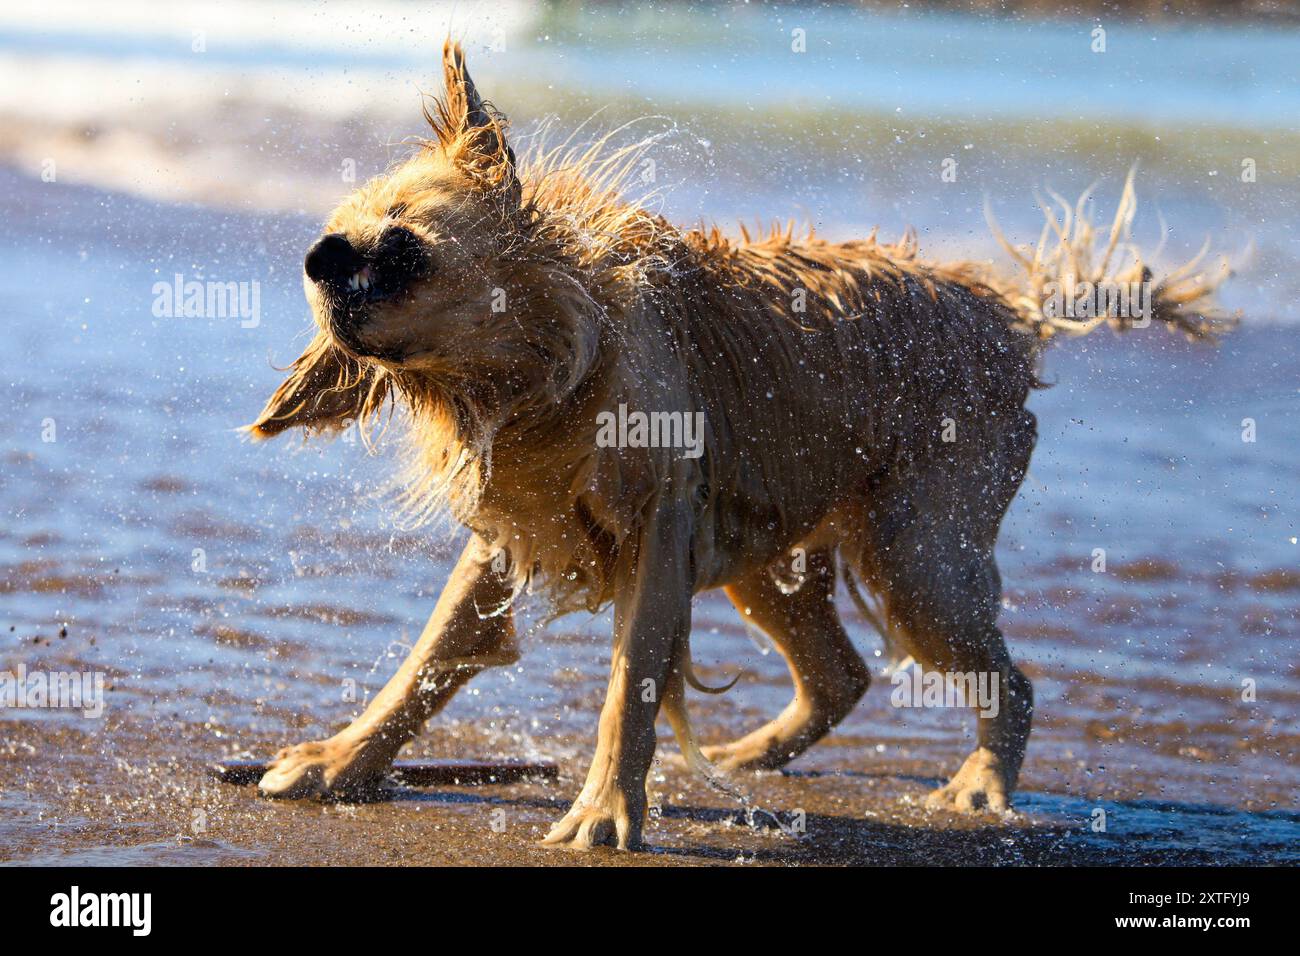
[(332, 259)]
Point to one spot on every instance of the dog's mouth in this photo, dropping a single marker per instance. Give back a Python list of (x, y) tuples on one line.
[(352, 284)]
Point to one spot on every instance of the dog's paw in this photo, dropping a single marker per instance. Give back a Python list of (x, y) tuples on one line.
[(595, 824), (743, 755), (980, 784), (334, 768)]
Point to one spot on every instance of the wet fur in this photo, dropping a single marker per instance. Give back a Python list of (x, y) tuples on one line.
[(824, 371)]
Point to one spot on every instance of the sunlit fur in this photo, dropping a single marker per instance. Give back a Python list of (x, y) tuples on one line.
[(826, 374), (817, 364)]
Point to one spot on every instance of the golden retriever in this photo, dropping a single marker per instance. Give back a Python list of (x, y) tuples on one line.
[(553, 344)]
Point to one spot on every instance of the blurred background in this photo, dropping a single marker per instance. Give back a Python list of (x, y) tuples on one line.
[(230, 591), (840, 114)]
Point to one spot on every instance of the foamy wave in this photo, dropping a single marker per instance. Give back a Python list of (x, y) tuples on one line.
[(228, 104)]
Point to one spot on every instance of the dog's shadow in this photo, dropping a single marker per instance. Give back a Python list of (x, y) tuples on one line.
[(1048, 830)]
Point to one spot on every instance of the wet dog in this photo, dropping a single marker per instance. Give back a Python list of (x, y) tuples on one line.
[(627, 412)]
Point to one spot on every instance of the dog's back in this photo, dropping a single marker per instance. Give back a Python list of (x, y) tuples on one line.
[(821, 368)]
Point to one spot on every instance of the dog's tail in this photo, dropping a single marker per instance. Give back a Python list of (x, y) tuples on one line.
[(1072, 281), (674, 707)]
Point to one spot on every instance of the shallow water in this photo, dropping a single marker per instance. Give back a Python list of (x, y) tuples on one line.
[(306, 584), (234, 595)]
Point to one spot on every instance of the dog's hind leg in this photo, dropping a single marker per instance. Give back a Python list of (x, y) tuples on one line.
[(460, 640), (828, 673), (930, 555), (945, 619)]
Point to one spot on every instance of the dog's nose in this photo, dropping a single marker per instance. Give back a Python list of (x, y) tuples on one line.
[(332, 259)]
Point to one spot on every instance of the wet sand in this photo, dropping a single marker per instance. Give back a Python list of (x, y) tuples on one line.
[(230, 595), (148, 802)]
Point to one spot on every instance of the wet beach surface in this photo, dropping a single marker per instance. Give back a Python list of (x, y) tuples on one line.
[(236, 599), (233, 597)]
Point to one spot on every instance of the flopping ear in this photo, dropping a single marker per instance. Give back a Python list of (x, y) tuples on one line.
[(469, 128), (326, 390)]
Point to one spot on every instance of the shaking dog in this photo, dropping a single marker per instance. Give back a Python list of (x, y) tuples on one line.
[(854, 410)]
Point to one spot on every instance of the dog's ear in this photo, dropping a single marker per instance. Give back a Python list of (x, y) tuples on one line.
[(326, 390), (470, 128)]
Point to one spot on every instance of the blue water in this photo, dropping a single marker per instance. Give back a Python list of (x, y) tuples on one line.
[(922, 65), (1140, 454)]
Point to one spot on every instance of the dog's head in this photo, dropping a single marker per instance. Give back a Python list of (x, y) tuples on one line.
[(406, 268), (413, 274)]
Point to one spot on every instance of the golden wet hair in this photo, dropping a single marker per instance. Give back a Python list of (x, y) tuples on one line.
[(823, 370)]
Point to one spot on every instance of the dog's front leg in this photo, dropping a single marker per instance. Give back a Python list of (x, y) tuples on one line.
[(460, 640), (652, 611)]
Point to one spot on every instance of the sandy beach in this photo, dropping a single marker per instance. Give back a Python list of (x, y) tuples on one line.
[(235, 599)]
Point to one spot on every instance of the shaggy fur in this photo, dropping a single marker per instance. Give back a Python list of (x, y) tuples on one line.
[(825, 373)]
